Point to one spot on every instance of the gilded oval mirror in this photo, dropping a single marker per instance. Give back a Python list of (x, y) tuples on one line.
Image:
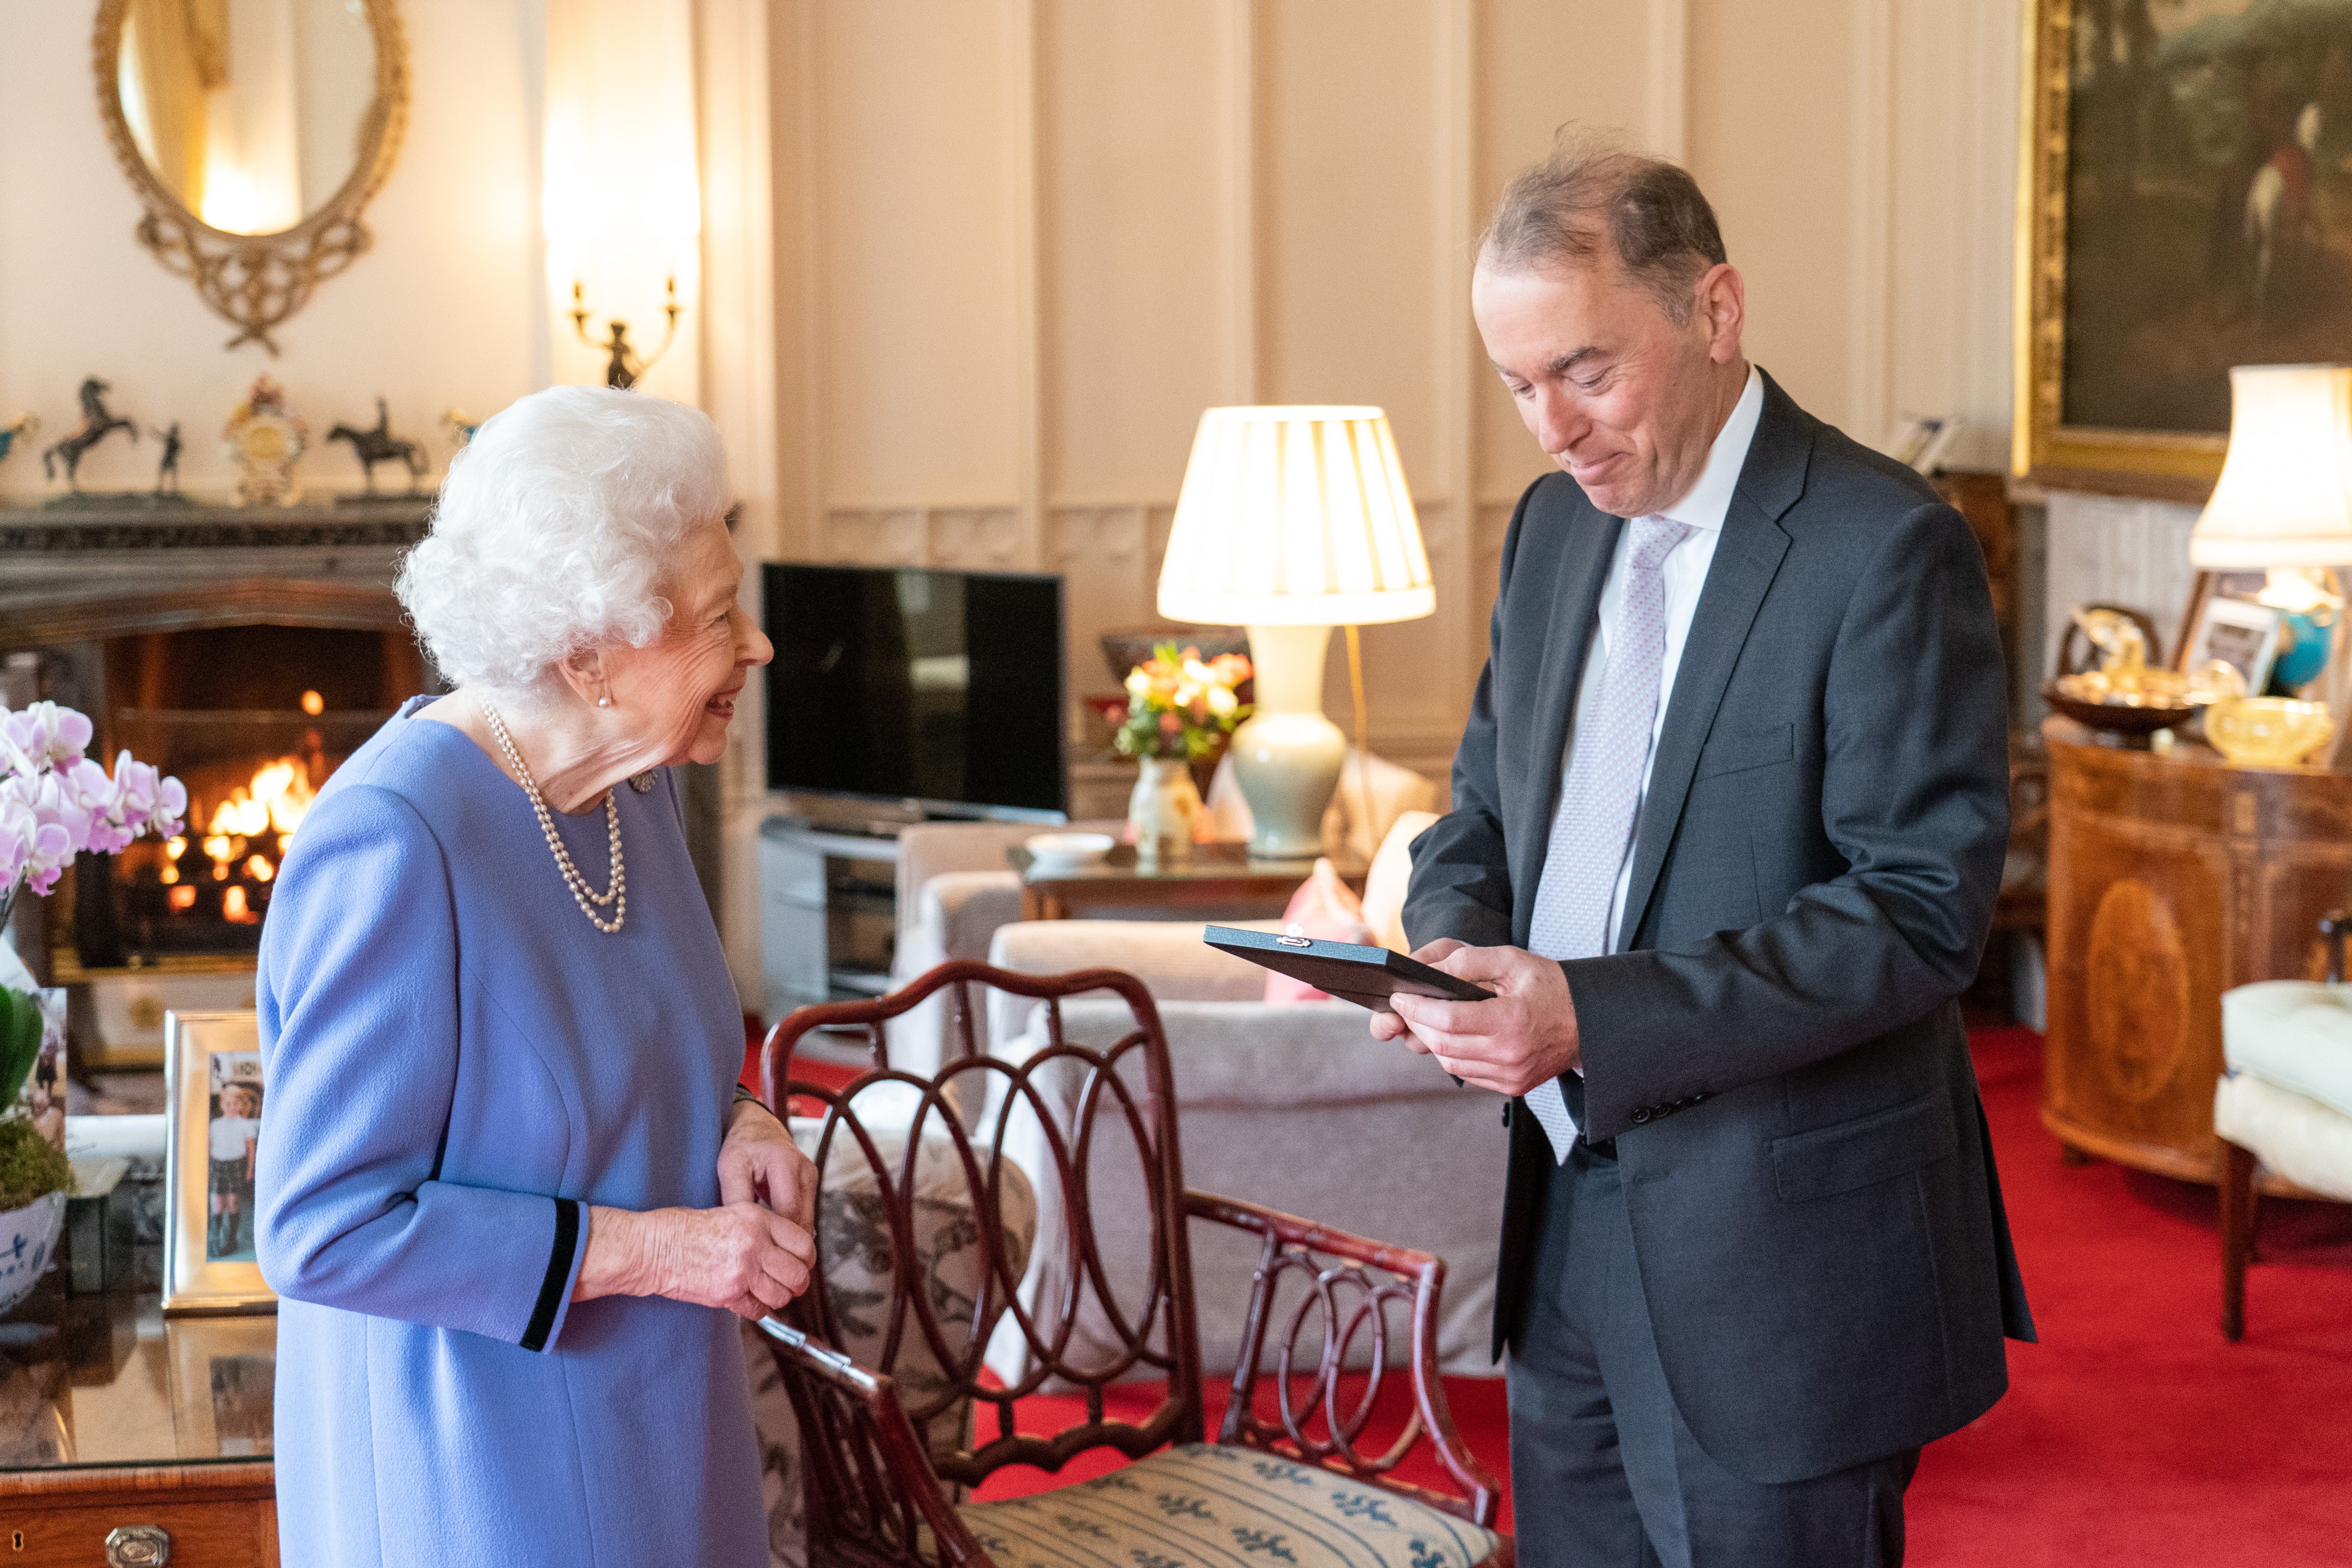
[(255, 132)]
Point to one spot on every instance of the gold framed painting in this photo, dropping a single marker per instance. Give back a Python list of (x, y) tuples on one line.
[(2184, 205), (213, 1097)]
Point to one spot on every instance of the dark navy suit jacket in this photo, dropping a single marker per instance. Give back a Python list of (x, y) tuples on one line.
[(1776, 1047)]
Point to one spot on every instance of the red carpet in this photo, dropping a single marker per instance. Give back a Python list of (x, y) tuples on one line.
[(2132, 1434)]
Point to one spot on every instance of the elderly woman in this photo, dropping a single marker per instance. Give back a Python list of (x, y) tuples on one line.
[(504, 1195)]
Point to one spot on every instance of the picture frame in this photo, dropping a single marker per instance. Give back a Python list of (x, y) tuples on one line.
[(214, 1097), (2238, 632), (2180, 211)]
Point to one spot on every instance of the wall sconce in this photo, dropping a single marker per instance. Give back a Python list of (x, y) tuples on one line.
[(623, 364)]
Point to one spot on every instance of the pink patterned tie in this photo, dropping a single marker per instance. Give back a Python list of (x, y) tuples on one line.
[(1592, 831)]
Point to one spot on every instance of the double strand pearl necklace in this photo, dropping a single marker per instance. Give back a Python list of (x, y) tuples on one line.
[(587, 897)]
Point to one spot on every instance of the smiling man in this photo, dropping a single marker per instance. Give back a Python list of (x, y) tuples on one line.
[(1728, 821)]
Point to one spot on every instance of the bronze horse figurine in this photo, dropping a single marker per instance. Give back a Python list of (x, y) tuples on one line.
[(96, 422), (381, 446)]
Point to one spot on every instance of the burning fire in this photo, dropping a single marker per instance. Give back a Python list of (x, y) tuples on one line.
[(276, 801)]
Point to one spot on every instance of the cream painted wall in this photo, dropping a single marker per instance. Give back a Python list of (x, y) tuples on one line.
[(1021, 242), (448, 307)]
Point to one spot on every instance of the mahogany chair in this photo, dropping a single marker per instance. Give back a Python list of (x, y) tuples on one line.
[(1293, 1478)]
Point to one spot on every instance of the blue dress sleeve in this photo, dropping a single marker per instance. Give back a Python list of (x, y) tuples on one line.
[(360, 1024)]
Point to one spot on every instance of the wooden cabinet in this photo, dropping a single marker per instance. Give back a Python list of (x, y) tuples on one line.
[(119, 1423), (212, 1516), (2173, 878)]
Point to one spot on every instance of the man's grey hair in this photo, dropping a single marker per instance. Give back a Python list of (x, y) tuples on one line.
[(1590, 193)]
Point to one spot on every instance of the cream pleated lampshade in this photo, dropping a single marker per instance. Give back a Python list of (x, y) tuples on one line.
[(2285, 498), (1295, 516)]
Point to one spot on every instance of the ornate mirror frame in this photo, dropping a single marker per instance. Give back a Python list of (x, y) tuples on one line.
[(256, 281)]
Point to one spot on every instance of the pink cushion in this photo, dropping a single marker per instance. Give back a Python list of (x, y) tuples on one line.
[(1324, 909)]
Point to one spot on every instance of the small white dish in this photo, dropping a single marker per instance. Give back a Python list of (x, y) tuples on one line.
[(1065, 851)]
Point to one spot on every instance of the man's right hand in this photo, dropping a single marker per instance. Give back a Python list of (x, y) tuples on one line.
[(1388, 1025)]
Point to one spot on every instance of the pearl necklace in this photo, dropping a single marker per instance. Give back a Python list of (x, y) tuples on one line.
[(587, 897)]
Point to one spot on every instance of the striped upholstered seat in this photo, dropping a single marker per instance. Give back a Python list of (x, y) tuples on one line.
[(1205, 1505)]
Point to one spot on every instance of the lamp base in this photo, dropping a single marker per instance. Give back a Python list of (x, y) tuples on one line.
[(1287, 766)]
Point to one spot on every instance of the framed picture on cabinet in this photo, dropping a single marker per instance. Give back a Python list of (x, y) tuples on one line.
[(2236, 632), (214, 1102)]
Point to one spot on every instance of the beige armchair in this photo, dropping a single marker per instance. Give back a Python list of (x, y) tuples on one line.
[(1295, 1107)]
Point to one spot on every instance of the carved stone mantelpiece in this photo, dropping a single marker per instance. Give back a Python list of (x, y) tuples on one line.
[(76, 573)]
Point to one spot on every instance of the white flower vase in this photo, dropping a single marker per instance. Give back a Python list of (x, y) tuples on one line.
[(28, 1238), (1164, 811)]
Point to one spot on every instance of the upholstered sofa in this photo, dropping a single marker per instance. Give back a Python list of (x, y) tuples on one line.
[(1293, 1105)]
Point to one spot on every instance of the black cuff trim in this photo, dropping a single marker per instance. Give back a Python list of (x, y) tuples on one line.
[(559, 1274)]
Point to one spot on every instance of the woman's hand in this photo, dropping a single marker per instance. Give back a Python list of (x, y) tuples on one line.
[(740, 1257), (758, 1162)]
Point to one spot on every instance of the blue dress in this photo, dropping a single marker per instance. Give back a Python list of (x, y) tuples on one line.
[(457, 1064)]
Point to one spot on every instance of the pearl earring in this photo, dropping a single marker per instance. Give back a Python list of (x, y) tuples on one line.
[(604, 702)]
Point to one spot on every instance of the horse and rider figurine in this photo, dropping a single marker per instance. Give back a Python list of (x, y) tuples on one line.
[(97, 423), (381, 446)]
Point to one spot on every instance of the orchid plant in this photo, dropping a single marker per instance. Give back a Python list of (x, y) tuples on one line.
[(55, 803)]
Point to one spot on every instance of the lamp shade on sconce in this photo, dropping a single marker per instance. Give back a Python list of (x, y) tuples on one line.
[(2284, 499), (1296, 517)]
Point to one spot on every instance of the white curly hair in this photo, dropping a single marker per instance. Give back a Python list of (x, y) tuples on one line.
[(555, 527)]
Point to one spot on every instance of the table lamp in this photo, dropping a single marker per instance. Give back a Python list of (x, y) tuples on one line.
[(2283, 502), (1293, 521)]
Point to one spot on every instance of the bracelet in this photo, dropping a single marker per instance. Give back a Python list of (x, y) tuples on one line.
[(742, 1094)]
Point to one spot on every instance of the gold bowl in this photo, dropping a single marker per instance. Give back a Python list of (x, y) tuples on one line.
[(2267, 732)]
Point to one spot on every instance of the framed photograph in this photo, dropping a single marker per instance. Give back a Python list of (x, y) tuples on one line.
[(2188, 207), (2239, 633), (214, 1102)]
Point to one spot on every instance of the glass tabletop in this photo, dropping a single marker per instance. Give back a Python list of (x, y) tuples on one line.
[(107, 1380)]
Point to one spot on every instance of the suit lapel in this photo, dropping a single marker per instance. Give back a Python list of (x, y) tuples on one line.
[(1584, 557), (1745, 559)]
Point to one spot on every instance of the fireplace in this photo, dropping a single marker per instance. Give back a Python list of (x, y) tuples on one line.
[(246, 651), (252, 719)]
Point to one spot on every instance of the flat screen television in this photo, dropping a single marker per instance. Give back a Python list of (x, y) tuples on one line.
[(942, 688)]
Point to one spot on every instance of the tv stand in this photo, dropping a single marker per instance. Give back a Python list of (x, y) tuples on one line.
[(828, 909)]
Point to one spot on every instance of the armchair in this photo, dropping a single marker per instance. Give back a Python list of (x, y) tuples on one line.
[(2284, 1103), (876, 1490)]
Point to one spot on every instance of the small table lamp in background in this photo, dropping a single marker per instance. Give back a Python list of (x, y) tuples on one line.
[(1291, 521), (2283, 502)]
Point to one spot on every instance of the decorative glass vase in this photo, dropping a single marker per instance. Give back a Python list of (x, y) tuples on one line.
[(1164, 811)]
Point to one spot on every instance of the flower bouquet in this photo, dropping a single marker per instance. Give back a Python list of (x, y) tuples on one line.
[(1180, 714), (55, 803)]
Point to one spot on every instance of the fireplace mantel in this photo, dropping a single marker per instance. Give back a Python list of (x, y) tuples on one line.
[(108, 567)]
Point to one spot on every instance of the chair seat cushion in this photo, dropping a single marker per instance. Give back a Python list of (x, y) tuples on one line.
[(2296, 1034), (2300, 1139), (1205, 1505)]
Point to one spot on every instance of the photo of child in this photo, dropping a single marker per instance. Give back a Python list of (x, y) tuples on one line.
[(235, 1126)]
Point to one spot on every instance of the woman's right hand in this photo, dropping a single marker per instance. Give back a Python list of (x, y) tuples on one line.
[(740, 1257)]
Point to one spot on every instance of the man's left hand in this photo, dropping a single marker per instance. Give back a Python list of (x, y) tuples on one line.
[(758, 1162), (1525, 1037)]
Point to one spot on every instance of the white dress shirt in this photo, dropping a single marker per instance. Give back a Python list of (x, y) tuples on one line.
[(1682, 575)]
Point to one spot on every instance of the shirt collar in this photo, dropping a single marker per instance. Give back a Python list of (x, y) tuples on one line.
[(1710, 498)]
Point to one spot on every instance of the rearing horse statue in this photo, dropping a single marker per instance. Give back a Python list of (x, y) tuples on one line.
[(96, 422)]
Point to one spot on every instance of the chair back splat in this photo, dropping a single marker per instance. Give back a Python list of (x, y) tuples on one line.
[(888, 1442)]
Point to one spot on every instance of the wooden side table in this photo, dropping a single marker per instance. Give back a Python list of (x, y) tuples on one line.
[(1218, 876), (118, 1423), (2173, 878)]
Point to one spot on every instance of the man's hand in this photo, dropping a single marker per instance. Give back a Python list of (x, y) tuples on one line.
[(1525, 1037), (758, 1162), (1388, 1025)]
